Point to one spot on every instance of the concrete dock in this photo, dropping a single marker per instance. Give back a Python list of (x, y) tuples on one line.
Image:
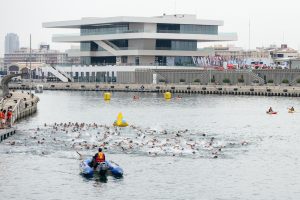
[(22, 105), (251, 90)]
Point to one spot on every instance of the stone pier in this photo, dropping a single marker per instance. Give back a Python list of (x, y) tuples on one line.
[(22, 104)]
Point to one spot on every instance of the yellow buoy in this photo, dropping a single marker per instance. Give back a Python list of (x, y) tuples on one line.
[(168, 95), (120, 122), (107, 96)]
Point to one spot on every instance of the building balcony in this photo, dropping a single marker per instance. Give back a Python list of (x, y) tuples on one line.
[(144, 35), (131, 52)]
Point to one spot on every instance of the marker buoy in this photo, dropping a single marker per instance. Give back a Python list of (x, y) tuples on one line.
[(107, 96), (168, 95)]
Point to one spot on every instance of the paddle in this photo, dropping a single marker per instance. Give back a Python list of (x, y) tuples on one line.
[(80, 155)]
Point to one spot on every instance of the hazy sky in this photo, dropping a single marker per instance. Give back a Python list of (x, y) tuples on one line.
[(272, 22)]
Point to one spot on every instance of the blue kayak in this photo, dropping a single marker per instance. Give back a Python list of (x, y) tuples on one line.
[(104, 168)]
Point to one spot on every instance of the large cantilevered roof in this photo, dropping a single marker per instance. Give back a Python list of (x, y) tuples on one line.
[(166, 19)]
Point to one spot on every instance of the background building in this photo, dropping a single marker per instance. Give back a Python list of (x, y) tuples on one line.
[(42, 55), (1, 64), (11, 43), (283, 52), (237, 57), (74, 50), (169, 40)]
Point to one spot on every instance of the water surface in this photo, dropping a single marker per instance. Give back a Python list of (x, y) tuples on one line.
[(266, 168)]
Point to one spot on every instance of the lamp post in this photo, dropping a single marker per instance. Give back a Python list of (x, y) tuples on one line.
[(72, 77)]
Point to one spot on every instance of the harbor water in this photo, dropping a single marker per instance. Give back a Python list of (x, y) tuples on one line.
[(253, 156)]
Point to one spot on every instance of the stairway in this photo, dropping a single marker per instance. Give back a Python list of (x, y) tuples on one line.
[(256, 77), (107, 47), (56, 73), (294, 81)]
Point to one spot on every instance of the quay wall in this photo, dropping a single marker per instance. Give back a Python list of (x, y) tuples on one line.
[(278, 75), (6, 133), (239, 89), (190, 76)]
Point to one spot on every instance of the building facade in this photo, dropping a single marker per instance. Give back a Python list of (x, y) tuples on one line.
[(11, 43), (170, 40), (283, 55), (241, 58), (1, 64)]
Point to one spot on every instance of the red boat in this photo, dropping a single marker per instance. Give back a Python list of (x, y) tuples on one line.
[(271, 113)]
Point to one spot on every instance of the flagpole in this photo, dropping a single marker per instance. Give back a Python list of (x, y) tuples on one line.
[(30, 85)]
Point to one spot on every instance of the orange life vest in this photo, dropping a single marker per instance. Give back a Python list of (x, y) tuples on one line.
[(100, 157), (2, 115)]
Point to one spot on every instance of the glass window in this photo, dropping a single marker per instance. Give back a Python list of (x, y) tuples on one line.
[(184, 61), (104, 29), (187, 28), (90, 46), (85, 60), (163, 44), (120, 43), (184, 45), (199, 29), (168, 28)]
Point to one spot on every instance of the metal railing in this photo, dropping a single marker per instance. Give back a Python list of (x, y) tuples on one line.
[(16, 112)]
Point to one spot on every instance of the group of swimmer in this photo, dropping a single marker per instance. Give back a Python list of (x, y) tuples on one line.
[(271, 111), (132, 140)]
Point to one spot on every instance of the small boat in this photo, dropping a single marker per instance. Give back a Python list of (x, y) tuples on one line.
[(103, 169), (271, 113)]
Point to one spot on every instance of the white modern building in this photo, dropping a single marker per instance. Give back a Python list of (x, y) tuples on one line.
[(168, 40)]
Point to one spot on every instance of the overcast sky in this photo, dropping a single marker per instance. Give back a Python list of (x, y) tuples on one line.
[(272, 22)]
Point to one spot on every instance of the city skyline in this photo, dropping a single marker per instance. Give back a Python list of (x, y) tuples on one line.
[(270, 23)]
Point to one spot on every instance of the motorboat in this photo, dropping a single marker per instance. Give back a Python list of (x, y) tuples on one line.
[(103, 169)]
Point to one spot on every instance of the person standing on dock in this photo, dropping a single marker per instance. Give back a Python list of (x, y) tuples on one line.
[(9, 116), (3, 121), (2, 118)]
